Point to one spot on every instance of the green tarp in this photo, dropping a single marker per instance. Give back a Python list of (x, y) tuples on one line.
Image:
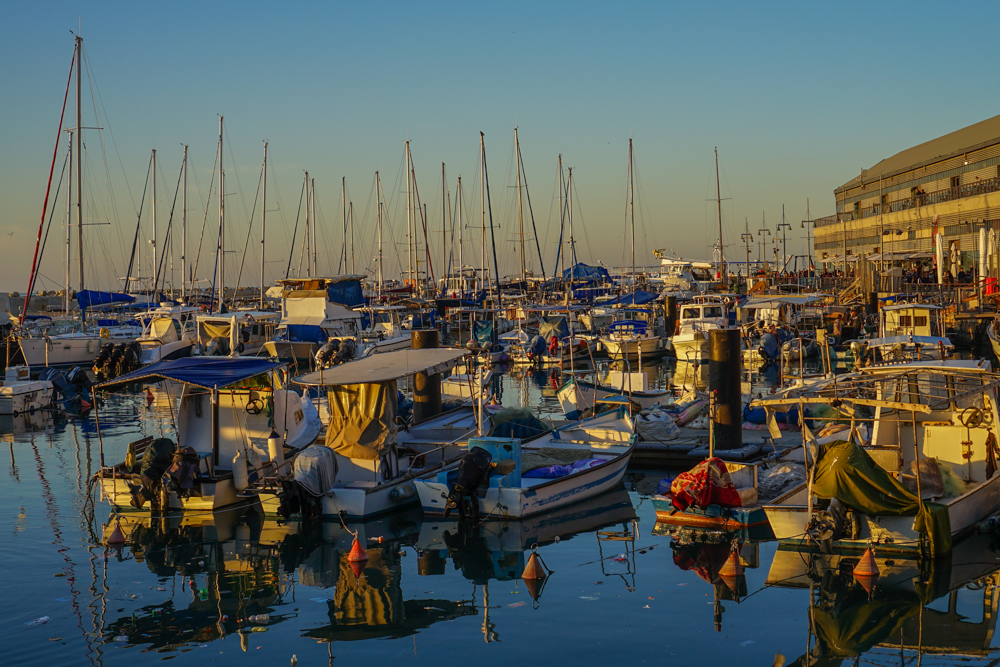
[(846, 472)]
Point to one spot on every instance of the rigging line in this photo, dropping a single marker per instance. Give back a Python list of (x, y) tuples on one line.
[(423, 221), (253, 214), (579, 211), (295, 231), (167, 235), (208, 202), (52, 213), (489, 207), (93, 86), (531, 213), (239, 187), (48, 187), (135, 239)]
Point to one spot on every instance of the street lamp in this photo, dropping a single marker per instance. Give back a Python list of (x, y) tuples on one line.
[(762, 231), (784, 235), (890, 233)]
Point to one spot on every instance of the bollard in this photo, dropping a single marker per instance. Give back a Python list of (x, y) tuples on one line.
[(426, 388), (871, 304), (670, 323), (724, 371)]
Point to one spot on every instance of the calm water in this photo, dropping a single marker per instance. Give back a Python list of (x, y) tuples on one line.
[(622, 590)]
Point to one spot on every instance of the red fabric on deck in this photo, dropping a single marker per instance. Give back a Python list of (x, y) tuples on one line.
[(708, 483)]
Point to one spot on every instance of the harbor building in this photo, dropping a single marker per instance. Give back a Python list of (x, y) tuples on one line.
[(950, 184)]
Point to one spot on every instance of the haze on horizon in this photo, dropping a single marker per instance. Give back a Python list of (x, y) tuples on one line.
[(797, 98)]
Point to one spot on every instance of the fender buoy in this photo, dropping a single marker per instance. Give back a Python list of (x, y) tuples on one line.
[(105, 334)]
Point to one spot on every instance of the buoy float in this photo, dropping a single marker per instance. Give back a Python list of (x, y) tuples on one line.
[(534, 576), (866, 572), (357, 558), (117, 536), (149, 397), (732, 567)]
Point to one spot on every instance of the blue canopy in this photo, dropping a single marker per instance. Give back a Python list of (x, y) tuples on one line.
[(583, 272), (637, 298), (346, 292), (628, 326), (305, 333), (87, 298), (205, 372)]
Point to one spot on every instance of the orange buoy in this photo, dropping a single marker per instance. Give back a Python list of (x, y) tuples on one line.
[(533, 571), (358, 553), (866, 567), (732, 568), (117, 536)]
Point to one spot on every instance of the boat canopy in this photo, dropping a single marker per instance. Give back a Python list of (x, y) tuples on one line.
[(385, 366), (553, 326), (89, 298), (628, 326), (362, 419), (636, 298), (586, 273), (205, 372)]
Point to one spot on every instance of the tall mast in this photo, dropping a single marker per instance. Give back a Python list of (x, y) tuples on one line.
[(809, 262), (631, 201), (482, 176), (184, 213), (747, 239), (569, 215), (560, 256), (156, 268), (308, 238), (263, 226), (718, 200), (461, 245), (343, 204), (315, 224), (444, 227), (409, 223), (520, 206), (489, 209), (79, 154), (378, 198), (69, 224), (354, 259), (221, 250)]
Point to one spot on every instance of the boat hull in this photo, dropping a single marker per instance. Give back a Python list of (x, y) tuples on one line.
[(577, 396), (633, 349)]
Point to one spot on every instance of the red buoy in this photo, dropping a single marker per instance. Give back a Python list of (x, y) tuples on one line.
[(117, 536)]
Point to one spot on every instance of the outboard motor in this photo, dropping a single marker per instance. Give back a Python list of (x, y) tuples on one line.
[(326, 352), (473, 471), (346, 351), (101, 361), (114, 361)]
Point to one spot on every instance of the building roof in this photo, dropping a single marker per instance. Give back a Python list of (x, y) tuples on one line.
[(981, 134)]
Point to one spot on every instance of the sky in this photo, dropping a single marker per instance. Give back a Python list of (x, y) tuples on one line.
[(797, 97)]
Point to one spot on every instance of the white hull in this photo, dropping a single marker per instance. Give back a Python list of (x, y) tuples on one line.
[(20, 397), (633, 348), (62, 351), (691, 346), (153, 351), (535, 497), (577, 396)]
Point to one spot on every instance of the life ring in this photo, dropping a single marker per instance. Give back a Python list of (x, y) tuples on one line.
[(105, 334)]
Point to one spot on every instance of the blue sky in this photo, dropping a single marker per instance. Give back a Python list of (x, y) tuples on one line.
[(798, 97)]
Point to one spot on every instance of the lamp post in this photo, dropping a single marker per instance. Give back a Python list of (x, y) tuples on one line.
[(747, 239), (762, 231), (784, 227), (804, 225)]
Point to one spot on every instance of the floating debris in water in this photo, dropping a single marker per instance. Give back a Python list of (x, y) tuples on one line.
[(38, 621)]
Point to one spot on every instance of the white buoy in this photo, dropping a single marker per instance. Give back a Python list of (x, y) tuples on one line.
[(276, 450), (240, 479)]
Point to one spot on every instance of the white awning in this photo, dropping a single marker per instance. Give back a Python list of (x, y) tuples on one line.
[(386, 366)]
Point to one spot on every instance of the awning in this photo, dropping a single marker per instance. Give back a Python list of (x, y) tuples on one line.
[(385, 366), (205, 372), (774, 301), (898, 256)]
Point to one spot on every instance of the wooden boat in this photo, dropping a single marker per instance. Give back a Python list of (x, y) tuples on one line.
[(578, 395), (222, 414), (515, 496)]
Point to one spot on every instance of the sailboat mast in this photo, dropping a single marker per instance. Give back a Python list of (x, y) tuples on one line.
[(69, 224), (718, 201), (631, 201), (354, 259), (263, 226), (520, 205), (79, 154), (569, 215), (343, 205), (482, 176), (184, 219), (315, 224), (444, 227), (221, 250), (560, 256), (155, 272), (409, 223), (461, 244)]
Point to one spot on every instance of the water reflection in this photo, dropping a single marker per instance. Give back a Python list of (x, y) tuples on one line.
[(914, 607)]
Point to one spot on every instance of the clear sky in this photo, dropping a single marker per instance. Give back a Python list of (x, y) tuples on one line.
[(798, 97)]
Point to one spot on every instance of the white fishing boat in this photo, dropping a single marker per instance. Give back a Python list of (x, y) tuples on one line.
[(73, 348), (499, 479), (243, 332), (385, 332), (168, 333), (578, 396), (236, 423), (632, 339), (367, 463), (20, 394), (942, 414), (696, 320)]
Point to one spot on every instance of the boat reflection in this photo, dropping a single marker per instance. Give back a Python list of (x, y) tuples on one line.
[(912, 611)]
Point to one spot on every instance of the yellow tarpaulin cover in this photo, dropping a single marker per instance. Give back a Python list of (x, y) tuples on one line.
[(217, 330), (362, 419)]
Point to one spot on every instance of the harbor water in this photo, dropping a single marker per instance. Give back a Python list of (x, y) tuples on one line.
[(237, 587)]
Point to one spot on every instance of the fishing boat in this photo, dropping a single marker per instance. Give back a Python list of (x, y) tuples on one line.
[(236, 422), (315, 311), (578, 396), (571, 464), (366, 464), (168, 333), (20, 394), (908, 332), (243, 332), (796, 350), (632, 339), (696, 320), (385, 331), (938, 417)]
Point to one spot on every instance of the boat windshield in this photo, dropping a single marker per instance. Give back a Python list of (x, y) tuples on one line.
[(712, 311)]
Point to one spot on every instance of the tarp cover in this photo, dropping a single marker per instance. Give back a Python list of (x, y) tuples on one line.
[(637, 298), (214, 331), (708, 483), (206, 372), (484, 332), (315, 468), (553, 326), (346, 292), (87, 298), (305, 333), (583, 272), (846, 472), (362, 419)]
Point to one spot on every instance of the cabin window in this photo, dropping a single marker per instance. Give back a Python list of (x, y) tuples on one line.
[(920, 321), (904, 320), (713, 311), (691, 313)]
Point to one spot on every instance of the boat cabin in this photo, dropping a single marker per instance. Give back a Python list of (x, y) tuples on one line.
[(911, 319)]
